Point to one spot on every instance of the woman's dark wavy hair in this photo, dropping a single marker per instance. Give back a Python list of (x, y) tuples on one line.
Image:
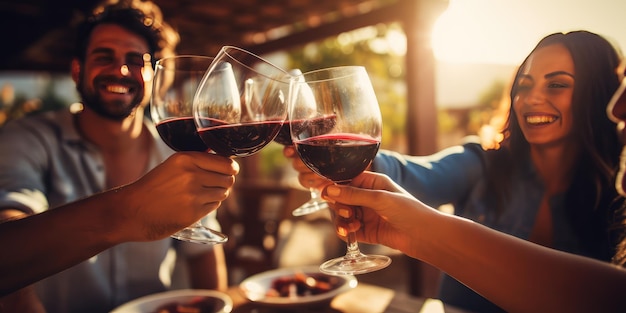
[(591, 198), (141, 17)]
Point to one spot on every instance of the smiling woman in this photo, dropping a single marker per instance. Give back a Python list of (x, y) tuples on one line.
[(551, 179)]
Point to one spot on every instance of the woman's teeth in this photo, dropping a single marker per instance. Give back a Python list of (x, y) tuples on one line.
[(537, 120)]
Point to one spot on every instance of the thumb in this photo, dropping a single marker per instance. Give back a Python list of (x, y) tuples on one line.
[(289, 152), (353, 196)]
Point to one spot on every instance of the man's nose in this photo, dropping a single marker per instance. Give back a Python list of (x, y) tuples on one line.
[(124, 70), (119, 67)]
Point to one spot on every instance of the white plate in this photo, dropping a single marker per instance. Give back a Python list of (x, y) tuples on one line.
[(256, 287), (150, 303)]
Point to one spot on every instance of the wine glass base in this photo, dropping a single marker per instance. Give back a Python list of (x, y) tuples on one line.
[(310, 207), (355, 265), (200, 234)]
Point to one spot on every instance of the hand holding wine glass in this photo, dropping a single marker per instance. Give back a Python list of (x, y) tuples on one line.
[(337, 135), (175, 82)]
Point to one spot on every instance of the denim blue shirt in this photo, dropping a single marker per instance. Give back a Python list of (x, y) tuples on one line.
[(45, 163), (456, 176)]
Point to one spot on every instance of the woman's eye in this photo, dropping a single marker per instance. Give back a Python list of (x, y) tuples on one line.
[(558, 85), (523, 84), (523, 87)]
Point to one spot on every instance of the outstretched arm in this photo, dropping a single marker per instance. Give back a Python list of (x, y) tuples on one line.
[(40, 245), (517, 275)]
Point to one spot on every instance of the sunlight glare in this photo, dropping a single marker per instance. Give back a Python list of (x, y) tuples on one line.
[(397, 42), (481, 31)]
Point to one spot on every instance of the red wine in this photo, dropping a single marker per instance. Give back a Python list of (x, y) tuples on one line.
[(338, 157), (316, 126), (284, 135), (180, 134), (239, 139)]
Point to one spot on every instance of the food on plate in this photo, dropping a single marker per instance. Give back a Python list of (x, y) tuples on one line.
[(196, 305), (301, 284)]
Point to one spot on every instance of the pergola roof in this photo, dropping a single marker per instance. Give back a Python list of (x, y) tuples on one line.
[(37, 34)]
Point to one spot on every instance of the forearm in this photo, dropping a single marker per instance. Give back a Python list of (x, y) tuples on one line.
[(428, 177), (24, 300), (40, 245), (518, 275)]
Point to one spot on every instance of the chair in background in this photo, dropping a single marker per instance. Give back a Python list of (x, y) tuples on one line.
[(250, 218)]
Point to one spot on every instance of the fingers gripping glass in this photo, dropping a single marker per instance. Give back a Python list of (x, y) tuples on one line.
[(175, 82)]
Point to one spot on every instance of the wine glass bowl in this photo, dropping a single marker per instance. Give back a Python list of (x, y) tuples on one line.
[(174, 85), (315, 202), (240, 104), (336, 128)]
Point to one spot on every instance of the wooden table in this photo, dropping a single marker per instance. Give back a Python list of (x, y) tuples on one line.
[(364, 298)]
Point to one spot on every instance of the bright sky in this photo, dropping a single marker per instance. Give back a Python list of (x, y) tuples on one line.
[(504, 31)]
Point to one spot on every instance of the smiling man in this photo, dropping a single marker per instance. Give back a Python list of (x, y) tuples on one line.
[(55, 158)]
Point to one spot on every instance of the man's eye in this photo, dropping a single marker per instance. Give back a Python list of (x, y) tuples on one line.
[(135, 61), (102, 59)]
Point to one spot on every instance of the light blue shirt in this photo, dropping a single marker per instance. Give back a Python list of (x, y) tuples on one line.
[(44, 163), (457, 176)]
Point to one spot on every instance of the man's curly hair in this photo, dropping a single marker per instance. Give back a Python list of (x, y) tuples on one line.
[(142, 17)]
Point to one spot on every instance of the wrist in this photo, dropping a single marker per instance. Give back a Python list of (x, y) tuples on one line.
[(428, 237)]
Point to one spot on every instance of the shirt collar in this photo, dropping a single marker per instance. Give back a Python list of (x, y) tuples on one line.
[(71, 135)]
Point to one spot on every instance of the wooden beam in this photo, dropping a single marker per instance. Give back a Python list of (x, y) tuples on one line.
[(390, 13), (422, 126)]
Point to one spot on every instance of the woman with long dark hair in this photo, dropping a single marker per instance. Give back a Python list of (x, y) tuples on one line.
[(550, 179)]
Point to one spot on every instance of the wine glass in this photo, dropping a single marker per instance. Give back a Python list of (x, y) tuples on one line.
[(240, 103), (315, 203), (337, 138), (175, 82)]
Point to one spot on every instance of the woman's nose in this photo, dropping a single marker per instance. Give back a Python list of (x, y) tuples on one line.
[(535, 96)]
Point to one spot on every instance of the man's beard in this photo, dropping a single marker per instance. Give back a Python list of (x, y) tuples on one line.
[(92, 99)]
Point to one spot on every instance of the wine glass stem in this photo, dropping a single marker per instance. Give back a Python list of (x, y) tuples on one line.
[(314, 193), (353, 246)]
